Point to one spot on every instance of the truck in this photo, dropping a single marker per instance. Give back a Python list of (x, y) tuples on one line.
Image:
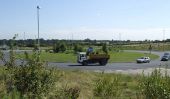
[(85, 58)]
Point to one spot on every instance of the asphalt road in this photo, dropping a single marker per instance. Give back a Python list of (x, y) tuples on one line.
[(109, 67), (117, 66)]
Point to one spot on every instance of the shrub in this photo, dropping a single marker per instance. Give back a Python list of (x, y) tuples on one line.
[(63, 47), (30, 78), (59, 47), (68, 93), (72, 93), (107, 87), (104, 48), (77, 48), (14, 95), (56, 48), (155, 86)]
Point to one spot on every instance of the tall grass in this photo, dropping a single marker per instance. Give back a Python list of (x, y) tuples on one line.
[(89, 85), (156, 85)]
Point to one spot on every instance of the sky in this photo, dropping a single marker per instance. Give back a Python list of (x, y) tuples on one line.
[(81, 19)]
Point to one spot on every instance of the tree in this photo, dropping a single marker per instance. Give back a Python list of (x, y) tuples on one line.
[(77, 48), (62, 47), (150, 48), (56, 48), (59, 47), (104, 48)]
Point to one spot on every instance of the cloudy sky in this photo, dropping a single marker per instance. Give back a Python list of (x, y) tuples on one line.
[(81, 19)]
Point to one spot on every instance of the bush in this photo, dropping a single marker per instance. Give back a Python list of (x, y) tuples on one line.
[(31, 78), (59, 47), (62, 47), (104, 48), (107, 87), (14, 95), (68, 93), (155, 86), (78, 48), (56, 48)]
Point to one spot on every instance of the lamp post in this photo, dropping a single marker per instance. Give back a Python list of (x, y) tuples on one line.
[(24, 40), (163, 39), (38, 8)]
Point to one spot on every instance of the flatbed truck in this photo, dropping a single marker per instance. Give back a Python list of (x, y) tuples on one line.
[(85, 59)]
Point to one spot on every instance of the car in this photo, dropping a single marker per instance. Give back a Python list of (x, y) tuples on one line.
[(165, 54), (165, 58), (143, 60)]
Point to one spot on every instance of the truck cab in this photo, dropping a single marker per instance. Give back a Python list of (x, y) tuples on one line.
[(81, 57)]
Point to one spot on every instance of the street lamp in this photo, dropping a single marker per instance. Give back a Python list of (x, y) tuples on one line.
[(163, 39), (38, 8)]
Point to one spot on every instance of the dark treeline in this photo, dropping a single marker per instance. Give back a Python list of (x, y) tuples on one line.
[(46, 43)]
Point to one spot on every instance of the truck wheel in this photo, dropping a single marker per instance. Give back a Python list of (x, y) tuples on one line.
[(84, 63), (103, 62)]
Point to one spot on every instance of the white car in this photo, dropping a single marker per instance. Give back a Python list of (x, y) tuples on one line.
[(143, 60)]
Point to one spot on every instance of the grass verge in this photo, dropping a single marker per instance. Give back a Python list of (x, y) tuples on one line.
[(75, 84), (85, 83)]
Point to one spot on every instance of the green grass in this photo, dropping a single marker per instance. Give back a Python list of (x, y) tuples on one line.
[(114, 57), (58, 57), (31, 48), (55, 57), (129, 56)]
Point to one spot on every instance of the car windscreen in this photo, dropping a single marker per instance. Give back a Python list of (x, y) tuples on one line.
[(166, 54)]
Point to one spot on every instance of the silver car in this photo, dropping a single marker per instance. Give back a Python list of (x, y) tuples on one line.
[(143, 60)]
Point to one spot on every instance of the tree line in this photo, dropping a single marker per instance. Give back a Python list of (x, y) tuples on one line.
[(51, 42)]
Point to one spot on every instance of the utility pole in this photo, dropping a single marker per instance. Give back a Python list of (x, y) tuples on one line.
[(24, 39), (72, 41), (120, 37), (24, 36), (120, 47), (163, 39), (38, 8)]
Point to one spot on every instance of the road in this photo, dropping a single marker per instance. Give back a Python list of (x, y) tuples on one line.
[(110, 66), (116, 66)]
